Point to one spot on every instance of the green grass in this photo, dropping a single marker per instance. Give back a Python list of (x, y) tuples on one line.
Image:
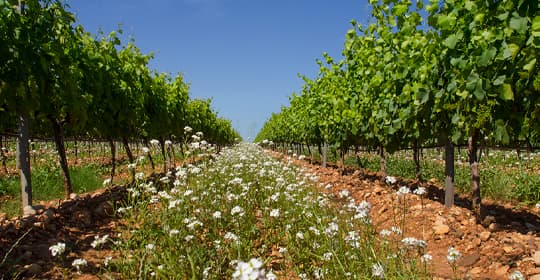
[(503, 175), (47, 184), (47, 179)]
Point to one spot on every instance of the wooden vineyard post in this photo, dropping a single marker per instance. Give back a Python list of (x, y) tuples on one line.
[(449, 174), (23, 163)]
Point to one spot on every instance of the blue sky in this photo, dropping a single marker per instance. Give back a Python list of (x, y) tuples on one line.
[(244, 54)]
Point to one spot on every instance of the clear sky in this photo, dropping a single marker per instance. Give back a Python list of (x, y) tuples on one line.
[(244, 54)]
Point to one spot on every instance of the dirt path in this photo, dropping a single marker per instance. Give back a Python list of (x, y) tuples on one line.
[(508, 241), (75, 222)]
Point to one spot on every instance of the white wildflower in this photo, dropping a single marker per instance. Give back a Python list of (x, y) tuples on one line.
[(195, 170), (164, 180), (426, 258), (274, 213), (123, 210), (79, 263), (327, 256), (420, 191), (390, 180), (230, 236), (107, 260), (421, 243), (343, 193), (517, 275), (332, 229), (409, 241), (377, 270), (174, 203), (385, 233), (453, 255), (106, 182), (250, 270), (236, 181), (237, 210), (270, 276), (314, 230), (403, 190), (396, 230), (57, 249), (98, 241)]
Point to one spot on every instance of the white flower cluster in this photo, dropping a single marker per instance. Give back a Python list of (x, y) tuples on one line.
[(251, 270), (57, 249), (362, 211), (79, 264), (403, 190), (517, 275), (237, 210), (377, 271), (274, 213), (390, 180), (98, 241), (453, 255), (420, 191), (332, 229), (413, 242)]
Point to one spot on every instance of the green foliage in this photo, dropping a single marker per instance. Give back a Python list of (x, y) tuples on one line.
[(83, 86), (420, 75), (55, 71), (47, 185)]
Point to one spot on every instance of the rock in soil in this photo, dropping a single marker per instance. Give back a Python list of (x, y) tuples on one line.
[(536, 258), (33, 269), (485, 235), (441, 229)]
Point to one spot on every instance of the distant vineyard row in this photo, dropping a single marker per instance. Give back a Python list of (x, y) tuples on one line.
[(60, 80), (447, 73)]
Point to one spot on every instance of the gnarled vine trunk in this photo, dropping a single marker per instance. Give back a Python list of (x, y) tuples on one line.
[(113, 158), (416, 159), (162, 145), (475, 176), (146, 144), (382, 155), (61, 149), (125, 142)]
